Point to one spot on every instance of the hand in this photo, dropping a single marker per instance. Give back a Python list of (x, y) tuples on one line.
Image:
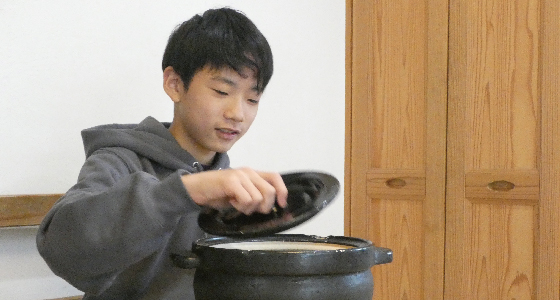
[(245, 189)]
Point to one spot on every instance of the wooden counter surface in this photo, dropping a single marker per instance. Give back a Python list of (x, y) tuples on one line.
[(25, 210)]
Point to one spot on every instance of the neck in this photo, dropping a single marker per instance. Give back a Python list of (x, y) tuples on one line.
[(203, 157)]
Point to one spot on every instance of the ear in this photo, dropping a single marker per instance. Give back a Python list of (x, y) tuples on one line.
[(172, 84)]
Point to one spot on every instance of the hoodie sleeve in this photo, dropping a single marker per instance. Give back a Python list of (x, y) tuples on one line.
[(114, 217)]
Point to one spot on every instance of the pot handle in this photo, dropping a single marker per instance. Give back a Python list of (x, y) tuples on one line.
[(187, 261), (382, 256)]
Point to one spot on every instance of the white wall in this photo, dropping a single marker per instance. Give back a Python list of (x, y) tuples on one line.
[(69, 65)]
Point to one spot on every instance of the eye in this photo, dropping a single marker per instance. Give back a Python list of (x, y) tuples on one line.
[(222, 93), (253, 101)]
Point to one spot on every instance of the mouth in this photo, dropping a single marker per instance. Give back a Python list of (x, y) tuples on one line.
[(228, 133)]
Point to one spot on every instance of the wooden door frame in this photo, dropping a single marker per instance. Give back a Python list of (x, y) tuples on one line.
[(348, 122), (548, 243)]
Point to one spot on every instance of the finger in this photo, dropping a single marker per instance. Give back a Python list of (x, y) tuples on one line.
[(246, 190), (277, 182), (267, 192), (241, 195)]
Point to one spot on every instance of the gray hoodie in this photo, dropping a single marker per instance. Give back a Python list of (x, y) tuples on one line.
[(111, 234)]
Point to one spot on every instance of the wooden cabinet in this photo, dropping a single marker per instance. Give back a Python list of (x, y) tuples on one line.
[(452, 150)]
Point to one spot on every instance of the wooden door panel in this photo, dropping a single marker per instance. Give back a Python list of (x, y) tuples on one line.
[(398, 61), (398, 224), (499, 252), (494, 141), (502, 105), (398, 98)]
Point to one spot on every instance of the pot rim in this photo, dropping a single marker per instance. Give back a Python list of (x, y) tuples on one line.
[(359, 258), (355, 244)]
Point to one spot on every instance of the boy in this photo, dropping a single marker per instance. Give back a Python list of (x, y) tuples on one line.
[(142, 186)]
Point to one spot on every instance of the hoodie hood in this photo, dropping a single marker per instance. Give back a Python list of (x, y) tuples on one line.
[(151, 139)]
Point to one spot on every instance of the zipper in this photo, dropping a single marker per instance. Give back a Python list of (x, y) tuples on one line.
[(197, 166)]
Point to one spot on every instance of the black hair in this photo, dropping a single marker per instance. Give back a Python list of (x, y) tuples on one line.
[(219, 38)]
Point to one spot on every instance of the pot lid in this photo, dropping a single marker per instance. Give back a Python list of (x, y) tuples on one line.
[(308, 193)]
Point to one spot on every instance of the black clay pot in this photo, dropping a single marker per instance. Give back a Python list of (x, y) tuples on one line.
[(283, 267)]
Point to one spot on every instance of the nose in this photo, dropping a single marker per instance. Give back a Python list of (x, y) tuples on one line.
[(234, 110)]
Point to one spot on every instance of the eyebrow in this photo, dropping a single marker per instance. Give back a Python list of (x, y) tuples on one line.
[(224, 80), (231, 82)]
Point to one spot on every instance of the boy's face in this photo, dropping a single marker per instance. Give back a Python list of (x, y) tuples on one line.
[(214, 112)]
